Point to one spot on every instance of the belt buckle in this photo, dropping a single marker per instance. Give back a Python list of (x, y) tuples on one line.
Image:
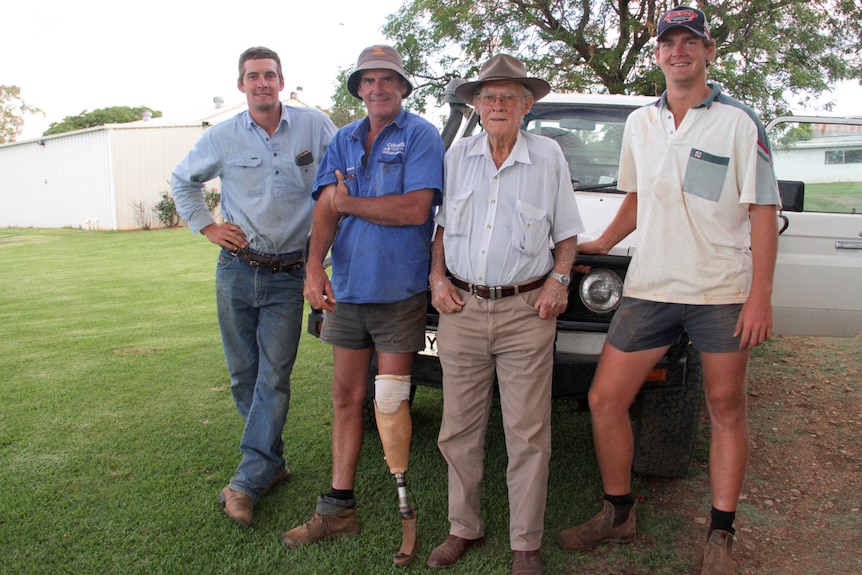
[(474, 290)]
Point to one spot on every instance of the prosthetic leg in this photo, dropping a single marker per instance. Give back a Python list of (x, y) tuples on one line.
[(392, 410)]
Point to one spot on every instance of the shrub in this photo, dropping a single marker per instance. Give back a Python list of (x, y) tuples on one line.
[(166, 211)]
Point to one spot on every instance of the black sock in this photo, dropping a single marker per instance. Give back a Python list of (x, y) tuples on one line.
[(340, 494), (622, 507), (722, 520)]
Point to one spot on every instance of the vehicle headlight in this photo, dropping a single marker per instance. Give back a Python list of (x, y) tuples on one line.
[(601, 290)]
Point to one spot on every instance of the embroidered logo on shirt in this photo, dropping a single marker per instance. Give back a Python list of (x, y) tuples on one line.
[(394, 148)]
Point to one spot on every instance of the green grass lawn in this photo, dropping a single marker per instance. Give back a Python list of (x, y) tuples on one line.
[(117, 430), (838, 197)]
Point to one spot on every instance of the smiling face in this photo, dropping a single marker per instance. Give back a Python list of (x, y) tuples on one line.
[(382, 91), (683, 55), (502, 105), (261, 84)]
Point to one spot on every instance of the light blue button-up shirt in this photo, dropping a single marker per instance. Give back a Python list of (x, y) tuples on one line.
[(265, 181)]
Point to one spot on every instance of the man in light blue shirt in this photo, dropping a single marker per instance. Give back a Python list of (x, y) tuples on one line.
[(266, 158)]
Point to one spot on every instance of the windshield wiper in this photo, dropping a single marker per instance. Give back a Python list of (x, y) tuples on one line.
[(594, 187)]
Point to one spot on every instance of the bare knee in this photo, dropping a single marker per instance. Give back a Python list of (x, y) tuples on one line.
[(605, 402), (727, 407)]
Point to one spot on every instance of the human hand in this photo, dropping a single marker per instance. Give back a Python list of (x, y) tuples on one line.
[(227, 235), (341, 192), (444, 296), (553, 300), (318, 288), (754, 325), (593, 247)]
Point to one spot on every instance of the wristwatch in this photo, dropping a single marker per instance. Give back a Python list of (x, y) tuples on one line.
[(561, 278)]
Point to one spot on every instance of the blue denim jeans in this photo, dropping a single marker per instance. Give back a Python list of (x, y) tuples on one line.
[(260, 317)]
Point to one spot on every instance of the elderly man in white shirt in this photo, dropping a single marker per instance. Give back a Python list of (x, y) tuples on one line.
[(499, 286)]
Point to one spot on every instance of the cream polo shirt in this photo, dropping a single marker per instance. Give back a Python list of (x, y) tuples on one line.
[(694, 187), (500, 224)]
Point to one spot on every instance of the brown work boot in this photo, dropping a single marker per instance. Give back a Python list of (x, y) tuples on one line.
[(716, 554), (599, 529), (526, 563), (282, 475), (237, 505), (332, 518), (451, 550)]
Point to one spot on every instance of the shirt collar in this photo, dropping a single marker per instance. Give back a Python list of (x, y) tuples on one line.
[(249, 122), (715, 90), (520, 151), (361, 130)]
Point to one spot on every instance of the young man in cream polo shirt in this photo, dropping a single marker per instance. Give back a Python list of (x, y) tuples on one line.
[(703, 196)]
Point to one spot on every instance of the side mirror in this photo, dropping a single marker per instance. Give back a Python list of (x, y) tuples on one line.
[(791, 193)]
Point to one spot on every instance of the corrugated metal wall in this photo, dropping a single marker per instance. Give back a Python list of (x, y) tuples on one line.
[(57, 182), (142, 161), (102, 178)]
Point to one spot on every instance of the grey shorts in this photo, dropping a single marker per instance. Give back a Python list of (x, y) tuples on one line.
[(640, 324), (397, 327)]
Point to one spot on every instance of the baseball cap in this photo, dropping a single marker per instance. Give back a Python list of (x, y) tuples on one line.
[(378, 57), (683, 17)]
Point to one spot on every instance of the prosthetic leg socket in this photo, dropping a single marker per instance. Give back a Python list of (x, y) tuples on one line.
[(395, 430)]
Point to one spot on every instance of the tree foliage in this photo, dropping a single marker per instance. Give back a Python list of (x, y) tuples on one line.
[(99, 117), (768, 51), (12, 111), (345, 108)]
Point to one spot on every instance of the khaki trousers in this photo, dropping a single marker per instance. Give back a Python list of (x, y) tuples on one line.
[(503, 337)]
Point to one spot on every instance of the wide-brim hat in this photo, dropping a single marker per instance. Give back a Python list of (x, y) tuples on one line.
[(378, 57), (506, 68)]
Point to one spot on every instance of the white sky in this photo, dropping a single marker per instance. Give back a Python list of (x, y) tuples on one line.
[(175, 56)]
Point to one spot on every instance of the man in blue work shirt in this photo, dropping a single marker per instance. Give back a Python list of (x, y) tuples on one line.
[(375, 187), (266, 158)]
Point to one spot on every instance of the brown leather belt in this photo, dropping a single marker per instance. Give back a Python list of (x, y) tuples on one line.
[(496, 292), (274, 264)]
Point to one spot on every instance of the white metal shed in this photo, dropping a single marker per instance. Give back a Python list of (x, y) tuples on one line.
[(108, 177)]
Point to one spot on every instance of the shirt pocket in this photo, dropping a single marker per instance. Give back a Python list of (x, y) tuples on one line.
[(458, 214), (705, 174), (390, 175), (530, 229), (247, 173), (302, 177)]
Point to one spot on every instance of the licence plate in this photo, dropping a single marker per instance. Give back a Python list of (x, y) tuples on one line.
[(430, 344)]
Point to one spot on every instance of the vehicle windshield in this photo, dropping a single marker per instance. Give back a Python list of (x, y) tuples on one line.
[(590, 137)]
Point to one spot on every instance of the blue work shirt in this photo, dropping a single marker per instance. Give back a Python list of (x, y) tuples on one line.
[(265, 181), (373, 263)]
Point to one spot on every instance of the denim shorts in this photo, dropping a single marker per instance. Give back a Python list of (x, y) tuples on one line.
[(397, 327), (640, 324)]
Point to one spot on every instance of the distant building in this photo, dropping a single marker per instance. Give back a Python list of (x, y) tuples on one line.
[(104, 178)]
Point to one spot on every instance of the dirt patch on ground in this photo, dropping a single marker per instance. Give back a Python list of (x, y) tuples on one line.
[(800, 510)]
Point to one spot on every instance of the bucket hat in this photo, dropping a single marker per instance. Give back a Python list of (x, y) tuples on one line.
[(377, 57)]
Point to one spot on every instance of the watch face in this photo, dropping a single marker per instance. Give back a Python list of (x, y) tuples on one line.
[(561, 278)]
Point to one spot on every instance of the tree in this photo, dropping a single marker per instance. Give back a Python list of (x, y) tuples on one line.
[(345, 108), (100, 117), (767, 50), (12, 109)]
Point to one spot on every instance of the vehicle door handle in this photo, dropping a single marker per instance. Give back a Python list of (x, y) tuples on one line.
[(842, 245)]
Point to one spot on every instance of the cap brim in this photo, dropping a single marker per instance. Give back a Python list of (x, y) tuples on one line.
[(689, 28)]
